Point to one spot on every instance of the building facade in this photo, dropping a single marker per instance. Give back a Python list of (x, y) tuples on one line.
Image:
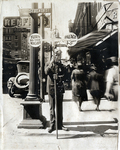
[(15, 46), (17, 41), (85, 19), (93, 16), (96, 17)]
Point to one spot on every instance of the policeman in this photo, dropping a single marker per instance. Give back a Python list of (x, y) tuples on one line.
[(55, 67)]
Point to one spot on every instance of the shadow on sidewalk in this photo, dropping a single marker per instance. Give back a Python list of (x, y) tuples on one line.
[(96, 129), (83, 132), (72, 136), (84, 129), (99, 110), (91, 122)]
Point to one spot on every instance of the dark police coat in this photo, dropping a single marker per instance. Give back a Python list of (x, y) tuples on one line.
[(58, 69), (51, 69)]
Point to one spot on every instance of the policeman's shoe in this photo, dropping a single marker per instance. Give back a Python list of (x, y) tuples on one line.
[(80, 108), (64, 128), (97, 109), (50, 130)]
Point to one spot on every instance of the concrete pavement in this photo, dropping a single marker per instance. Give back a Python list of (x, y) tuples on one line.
[(90, 129)]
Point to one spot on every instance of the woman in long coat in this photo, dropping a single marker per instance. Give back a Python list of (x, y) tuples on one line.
[(94, 81), (79, 93)]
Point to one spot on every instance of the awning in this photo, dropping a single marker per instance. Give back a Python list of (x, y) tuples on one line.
[(91, 40)]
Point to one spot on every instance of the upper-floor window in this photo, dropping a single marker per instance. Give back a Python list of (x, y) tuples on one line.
[(7, 38), (16, 43), (7, 30), (16, 37)]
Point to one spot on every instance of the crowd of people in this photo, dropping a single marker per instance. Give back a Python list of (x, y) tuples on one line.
[(80, 81), (99, 85)]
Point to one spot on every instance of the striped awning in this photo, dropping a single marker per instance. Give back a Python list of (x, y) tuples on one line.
[(91, 40)]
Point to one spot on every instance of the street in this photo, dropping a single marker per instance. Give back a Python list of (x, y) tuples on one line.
[(89, 129), (83, 36)]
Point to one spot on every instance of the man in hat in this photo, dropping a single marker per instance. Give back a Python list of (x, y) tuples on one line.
[(55, 67), (111, 91)]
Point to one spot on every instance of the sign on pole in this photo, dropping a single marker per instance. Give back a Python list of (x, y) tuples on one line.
[(41, 10), (70, 39), (35, 40)]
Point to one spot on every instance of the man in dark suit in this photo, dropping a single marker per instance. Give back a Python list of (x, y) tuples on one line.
[(55, 67)]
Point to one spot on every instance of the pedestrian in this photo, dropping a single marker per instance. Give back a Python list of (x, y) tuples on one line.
[(79, 93), (55, 67), (111, 91), (68, 76), (94, 81)]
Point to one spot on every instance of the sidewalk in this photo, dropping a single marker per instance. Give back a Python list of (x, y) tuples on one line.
[(88, 130)]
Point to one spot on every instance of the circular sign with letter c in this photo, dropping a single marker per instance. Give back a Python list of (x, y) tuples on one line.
[(35, 40)]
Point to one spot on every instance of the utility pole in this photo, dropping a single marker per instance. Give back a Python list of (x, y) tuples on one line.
[(42, 56), (33, 75)]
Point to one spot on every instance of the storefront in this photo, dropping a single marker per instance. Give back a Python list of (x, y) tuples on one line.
[(97, 46)]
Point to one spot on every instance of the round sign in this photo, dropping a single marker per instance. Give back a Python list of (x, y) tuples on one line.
[(35, 40), (70, 39)]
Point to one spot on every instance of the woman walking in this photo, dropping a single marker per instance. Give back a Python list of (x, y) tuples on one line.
[(79, 93), (94, 80)]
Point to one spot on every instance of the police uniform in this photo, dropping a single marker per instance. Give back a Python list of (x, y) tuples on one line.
[(51, 69)]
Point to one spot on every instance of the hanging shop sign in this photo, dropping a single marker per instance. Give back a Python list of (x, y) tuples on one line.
[(12, 21)]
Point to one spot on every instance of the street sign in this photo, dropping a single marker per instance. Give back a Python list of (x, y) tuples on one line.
[(41, 10), (35, 40), (70, 39)]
